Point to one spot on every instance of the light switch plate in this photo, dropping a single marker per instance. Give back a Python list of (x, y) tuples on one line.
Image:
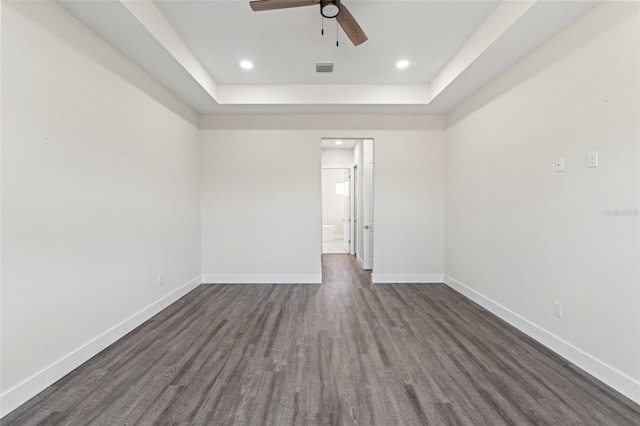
[(592, 159), (559, 164), (557, 309)]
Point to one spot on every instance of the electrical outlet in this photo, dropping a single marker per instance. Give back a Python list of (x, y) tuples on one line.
[(452, 263), (269, 260), (160, 279), (557, 309), (559, 164), (592, 159)]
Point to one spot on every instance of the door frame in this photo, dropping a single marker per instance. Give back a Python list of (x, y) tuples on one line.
[(354, 211), (356, 167), (368, 218)]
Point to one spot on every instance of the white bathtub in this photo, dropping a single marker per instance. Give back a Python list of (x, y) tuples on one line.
[(328, 232)]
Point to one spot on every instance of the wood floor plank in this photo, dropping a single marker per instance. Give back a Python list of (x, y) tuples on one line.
[(347, 352)]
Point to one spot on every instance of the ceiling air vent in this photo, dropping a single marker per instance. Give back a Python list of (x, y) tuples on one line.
[(324, 66)]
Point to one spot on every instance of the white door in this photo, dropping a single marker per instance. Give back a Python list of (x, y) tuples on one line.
[(346, 216), (367, 213)]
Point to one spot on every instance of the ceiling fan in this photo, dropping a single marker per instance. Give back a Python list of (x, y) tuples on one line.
[(328, 9)]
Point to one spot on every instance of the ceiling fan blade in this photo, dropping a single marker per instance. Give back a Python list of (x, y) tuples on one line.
[(260, 5), (350, 26)]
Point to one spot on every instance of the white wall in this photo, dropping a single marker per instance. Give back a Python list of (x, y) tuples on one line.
[(260, 200), (332, 203), (408, 199), (524, 236), (100, 193), (261, 174)]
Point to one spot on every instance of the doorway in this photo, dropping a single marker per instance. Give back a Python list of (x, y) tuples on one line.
[(350, 163)]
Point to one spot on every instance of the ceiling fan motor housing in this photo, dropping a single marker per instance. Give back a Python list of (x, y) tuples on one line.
[(329, 8)]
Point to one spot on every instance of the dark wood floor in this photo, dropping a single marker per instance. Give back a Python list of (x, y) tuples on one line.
[(346, 352)]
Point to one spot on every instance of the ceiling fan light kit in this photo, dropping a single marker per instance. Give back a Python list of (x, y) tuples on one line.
[(328, 9)]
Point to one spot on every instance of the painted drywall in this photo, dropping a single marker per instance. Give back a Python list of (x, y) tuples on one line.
[(261, 203), (523, 235), (262, 176), (332, 202), (337, 158), (408, 195), (100, 189)]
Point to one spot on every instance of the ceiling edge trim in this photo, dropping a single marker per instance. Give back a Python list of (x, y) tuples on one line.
[(355, 94), (150, 17), (496, 25), (342, 122)]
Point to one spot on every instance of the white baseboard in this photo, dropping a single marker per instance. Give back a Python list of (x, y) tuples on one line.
[(406, 278), (18, 395), (262, 279), (360, 261), (598, 369)]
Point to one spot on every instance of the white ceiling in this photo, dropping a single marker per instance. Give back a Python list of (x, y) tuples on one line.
[(454, 47), (344, 143), (285, 44)]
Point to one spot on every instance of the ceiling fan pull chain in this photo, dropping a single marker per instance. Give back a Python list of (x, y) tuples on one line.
[(329, 9)]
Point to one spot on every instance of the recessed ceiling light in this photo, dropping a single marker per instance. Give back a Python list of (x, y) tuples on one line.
[(402, 64), (338, 142), (246, 65)]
